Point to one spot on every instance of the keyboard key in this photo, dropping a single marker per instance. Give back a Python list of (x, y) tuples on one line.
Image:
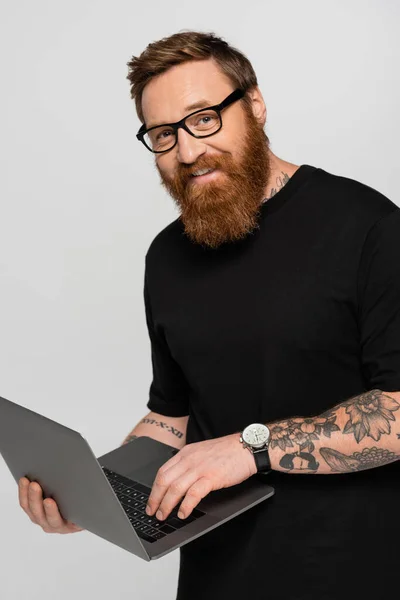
[(167, 529), (188, 519), (146, 537), (131, 511), (152, 531), (127, 501), (142, 488), (136, 524), (144, 527), (177, 523), (125, 481), (127, 490), (109, 473), (146, 519), (143, 517), (133, 493), (118, 487), (158, 535)]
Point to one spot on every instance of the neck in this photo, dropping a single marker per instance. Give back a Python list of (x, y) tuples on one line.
[(281, 172)]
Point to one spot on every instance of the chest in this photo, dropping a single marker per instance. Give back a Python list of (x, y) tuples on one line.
[(260, 310)]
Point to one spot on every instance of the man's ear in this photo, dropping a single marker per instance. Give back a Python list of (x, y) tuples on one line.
[(258, 104)]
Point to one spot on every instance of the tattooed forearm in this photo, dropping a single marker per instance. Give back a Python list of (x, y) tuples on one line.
[(173, 430), (300, 445)]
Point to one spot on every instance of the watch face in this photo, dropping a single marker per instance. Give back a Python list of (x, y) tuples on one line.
[(256, 434)]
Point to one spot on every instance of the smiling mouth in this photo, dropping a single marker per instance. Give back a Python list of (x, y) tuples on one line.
[(202, 174), (209, 176)]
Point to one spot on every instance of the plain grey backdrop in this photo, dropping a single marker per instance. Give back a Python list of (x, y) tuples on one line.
[(81, 202)]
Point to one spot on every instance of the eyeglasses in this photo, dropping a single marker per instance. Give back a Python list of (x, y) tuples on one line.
[(200, 124)]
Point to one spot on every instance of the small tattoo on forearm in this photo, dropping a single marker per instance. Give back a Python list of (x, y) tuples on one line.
[(300, 461), (171, 429)]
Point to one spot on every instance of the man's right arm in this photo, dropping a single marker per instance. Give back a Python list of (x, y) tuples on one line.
[(169, 430)]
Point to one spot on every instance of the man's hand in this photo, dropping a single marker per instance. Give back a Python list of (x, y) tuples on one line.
[(196, 470), (42, 512)]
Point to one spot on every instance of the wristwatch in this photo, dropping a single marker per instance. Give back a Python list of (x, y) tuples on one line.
[(256, 438)]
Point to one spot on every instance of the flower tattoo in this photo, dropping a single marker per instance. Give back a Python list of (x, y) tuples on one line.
[(367, 415), (301, 432), (370, 414)]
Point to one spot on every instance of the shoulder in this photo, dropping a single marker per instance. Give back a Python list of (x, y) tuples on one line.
[(165, 241), (354, 199)]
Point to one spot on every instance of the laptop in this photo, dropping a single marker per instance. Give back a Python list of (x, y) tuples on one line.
[(107, 495)]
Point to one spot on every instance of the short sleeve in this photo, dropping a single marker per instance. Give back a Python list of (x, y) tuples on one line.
[(379, 304), (169, 391)]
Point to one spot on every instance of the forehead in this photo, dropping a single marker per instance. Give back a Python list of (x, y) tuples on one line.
[(167, 97)]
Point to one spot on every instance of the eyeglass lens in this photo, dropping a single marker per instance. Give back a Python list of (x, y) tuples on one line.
[(200, 124)]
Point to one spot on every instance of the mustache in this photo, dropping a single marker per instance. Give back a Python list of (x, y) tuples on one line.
[(185, 172)]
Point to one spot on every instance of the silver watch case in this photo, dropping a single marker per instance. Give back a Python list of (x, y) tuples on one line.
[(252, 446)]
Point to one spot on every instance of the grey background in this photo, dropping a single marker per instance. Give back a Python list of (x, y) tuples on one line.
[(81, 202)]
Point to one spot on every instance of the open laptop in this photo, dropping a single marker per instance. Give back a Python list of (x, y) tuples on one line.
[(107, 495)]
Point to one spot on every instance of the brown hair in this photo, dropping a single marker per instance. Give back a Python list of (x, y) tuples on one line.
[(183, 47)]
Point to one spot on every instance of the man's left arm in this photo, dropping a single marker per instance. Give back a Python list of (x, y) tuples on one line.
[(360, 433), (363, 431)]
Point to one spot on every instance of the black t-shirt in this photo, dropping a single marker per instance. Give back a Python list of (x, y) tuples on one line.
[(294, 319)]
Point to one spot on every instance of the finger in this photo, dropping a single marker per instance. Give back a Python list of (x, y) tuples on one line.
[(23, 488), (161, 483), (35, 499), (56, 520), (76, 528), (175, 492), (194, 495), (53, 516)]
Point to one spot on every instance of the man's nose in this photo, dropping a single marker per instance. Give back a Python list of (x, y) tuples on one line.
[(189, 147)]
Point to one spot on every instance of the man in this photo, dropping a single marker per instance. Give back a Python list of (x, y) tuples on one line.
[(273, 299)]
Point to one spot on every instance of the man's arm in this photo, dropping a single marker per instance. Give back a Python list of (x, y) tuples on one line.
[(169, 430), (360, 433)]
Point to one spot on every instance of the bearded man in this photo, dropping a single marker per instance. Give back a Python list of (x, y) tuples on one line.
[(273, 299)]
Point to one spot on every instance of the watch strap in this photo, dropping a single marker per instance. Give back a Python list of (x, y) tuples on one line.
[(263, 462)]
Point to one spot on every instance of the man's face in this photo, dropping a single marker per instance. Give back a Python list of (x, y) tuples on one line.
[(224, 205)]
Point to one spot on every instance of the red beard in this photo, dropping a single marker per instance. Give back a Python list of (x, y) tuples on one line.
[(225, 209)]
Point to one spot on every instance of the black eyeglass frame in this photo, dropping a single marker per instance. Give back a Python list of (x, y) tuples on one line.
[(233, 97)]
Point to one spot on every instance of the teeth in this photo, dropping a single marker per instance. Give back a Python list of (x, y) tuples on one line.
[(202, 172)]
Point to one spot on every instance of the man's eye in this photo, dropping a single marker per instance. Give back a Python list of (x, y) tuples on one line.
[(162, 135), (205, 120)]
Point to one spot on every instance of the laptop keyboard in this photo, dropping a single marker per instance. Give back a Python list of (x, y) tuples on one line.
[(133, 497)]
